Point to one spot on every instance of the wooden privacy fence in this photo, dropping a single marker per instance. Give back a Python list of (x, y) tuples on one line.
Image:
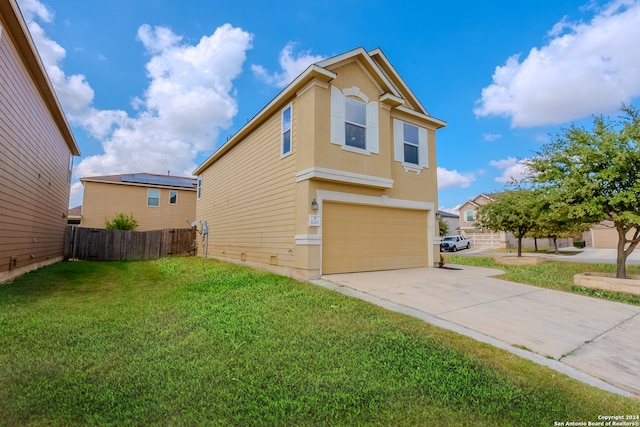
[(99, 244)]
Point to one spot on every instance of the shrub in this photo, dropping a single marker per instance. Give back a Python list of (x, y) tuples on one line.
[(121, 222)]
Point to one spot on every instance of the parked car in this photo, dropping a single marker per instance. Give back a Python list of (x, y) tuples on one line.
[(453, 243)]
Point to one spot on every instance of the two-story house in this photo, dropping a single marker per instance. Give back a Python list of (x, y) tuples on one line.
[(336, 174), (156, 201), (468, 227), (36, 154), (492, 239)]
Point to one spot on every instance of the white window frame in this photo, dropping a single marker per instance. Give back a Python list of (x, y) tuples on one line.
[(466, 215), (284, 130), (149, 197), (176, 197), (199, 189), (338, 120), (399, 142)]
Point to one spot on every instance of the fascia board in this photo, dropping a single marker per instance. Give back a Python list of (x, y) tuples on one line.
[(313, 71)]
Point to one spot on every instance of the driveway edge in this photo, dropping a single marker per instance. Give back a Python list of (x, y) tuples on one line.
[(534, 357)]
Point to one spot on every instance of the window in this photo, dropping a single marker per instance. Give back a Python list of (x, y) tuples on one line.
[(286, 132), (355, 124), (470, 216), (410, 145), (354, 121), (173, 197), (153, 197), (199, 192)]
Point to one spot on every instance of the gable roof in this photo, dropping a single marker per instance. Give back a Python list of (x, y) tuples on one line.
[(146, 179), (375, 63), (488, 196), (17, 30), (445, 214)]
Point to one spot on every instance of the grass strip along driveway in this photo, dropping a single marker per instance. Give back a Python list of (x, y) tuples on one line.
[(556, 275), (189, 341)]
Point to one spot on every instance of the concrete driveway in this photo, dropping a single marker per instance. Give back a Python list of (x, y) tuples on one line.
[(595, 341)]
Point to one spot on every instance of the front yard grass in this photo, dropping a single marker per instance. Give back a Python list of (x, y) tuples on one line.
[(554, 275), (189, 341)]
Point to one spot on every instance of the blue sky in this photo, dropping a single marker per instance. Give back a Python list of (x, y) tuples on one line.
[(158, 85)]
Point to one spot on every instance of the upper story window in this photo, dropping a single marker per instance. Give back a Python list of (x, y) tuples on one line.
[(355, 124), (199, 191), (470, 216), (354, 121), (286, 132), (173, 197), (410, 145), (153, 197)]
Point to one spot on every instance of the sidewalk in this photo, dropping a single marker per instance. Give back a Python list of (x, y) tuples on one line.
[(605, 256), (592, 340)]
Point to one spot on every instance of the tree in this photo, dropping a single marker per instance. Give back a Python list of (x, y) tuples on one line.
[(121, 222), (515, 211), (597, 173), (443, 227), (555, 222)]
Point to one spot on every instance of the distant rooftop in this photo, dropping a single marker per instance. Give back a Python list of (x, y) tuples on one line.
[(147, 179)]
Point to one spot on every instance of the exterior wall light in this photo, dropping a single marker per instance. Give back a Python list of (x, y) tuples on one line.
[(314, 205)]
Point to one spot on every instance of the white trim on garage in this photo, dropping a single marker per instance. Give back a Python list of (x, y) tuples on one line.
[(342, 176), (381, 201)]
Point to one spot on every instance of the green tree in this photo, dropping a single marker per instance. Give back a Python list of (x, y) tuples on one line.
[(443, 227), (597, 173), (555, 221), (121, 222), (515, 211)]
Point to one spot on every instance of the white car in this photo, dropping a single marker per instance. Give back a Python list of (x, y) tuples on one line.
[(453, 243)]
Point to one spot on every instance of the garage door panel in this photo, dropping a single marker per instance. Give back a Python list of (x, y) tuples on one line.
[(368, 238)]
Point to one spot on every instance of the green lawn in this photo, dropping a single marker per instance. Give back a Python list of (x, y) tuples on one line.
[(187, 341), (554, 275)]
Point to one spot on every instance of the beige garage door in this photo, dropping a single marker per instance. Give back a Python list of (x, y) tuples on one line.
[(367, 238)]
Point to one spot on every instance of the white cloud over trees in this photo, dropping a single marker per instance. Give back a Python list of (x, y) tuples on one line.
[(453, 178), (512, 169), (585, 68)]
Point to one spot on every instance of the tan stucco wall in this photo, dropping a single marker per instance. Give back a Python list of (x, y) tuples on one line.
[(103, 201)]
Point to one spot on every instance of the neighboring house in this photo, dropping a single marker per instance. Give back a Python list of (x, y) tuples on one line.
[(75, 215), (336, 174), (155, 201), (452, 220), (603, 236), (36, 154), (481, 238)]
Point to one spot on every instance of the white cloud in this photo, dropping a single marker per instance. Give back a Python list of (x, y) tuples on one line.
[(453, 178), (491, 136), (291, 66), (586, 68), (512, 169), (190, 97)]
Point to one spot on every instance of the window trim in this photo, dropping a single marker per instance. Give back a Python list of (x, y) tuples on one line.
[(466, 215), (399, 143), (176, 193), (284, 154), (149, 197), (199, 188), (360, 105), (338, 120)]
